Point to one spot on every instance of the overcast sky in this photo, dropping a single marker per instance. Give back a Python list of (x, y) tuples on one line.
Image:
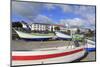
[(73, 15)]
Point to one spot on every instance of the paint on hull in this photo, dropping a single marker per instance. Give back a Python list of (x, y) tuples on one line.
[(90, 49), (47, 56), (90, 46)]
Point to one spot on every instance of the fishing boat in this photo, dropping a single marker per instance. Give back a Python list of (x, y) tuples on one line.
[(63, 36), (90, 45), (47, 55), (28, 36)]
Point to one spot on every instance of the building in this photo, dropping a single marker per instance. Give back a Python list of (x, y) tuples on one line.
[(39, 27), (47, 27)]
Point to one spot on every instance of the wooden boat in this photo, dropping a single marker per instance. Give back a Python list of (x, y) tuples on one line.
[(28, 36), (47, 55)]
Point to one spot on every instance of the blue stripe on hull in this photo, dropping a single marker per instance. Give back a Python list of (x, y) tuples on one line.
[(90, 49), (35, 39)]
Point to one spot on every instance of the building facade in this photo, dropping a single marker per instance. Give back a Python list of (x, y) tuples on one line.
[(47, 27)]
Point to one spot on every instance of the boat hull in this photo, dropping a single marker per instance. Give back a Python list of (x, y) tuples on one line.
[(30, 37), (52, 57), (62, 36), (90, 46), (90, 49), (35, 39)]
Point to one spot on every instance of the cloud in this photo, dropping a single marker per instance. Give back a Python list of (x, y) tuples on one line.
[(49, 6), (75, 22), (86, 12), (32, 11), (91, 19), (42, 19), (65, 8), (78, 9), (26, 9)]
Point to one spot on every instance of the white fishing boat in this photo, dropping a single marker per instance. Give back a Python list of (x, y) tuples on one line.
[(47, 55), (90, 45), (63, 36), (28, 36)]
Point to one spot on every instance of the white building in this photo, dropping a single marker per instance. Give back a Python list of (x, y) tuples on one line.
[(39, 27), (45, 27)]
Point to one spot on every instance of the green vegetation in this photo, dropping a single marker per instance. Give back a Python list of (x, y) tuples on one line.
[(90, 33), (78, 37), (57, 28)]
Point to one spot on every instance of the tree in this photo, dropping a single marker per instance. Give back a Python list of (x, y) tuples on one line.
[(90, 33), (68, 32), (78, 30), (57, 28), (17, 24)]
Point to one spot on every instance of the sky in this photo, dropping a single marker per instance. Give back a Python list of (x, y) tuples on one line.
[(67, 14)]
